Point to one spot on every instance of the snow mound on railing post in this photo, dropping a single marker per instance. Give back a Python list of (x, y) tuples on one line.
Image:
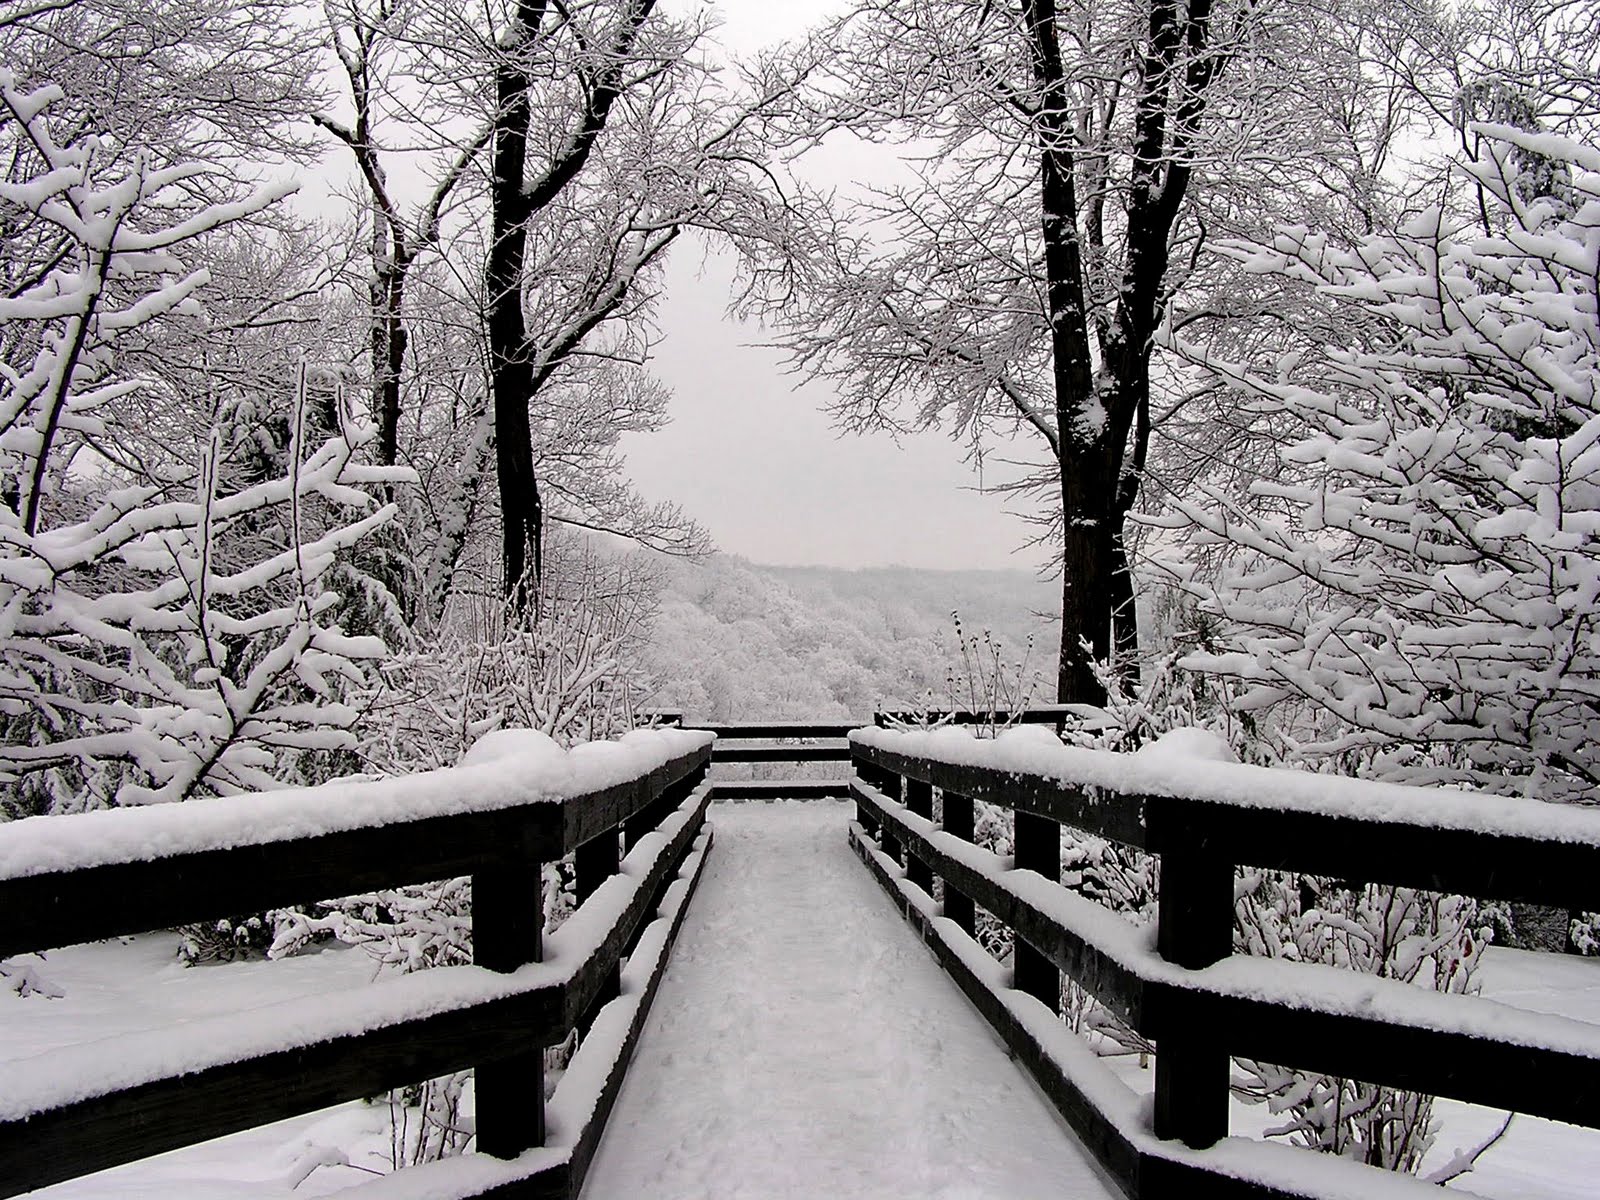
[(1188, 743)]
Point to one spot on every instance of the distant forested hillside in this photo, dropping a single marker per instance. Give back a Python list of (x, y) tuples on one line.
[(738, 640)]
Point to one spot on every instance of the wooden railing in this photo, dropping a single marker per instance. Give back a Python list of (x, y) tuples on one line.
[(772, 742), (823, 741), (1056, 715), (1200, 1006), (59, 1120)]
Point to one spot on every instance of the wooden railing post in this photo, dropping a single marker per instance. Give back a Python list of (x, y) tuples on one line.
[(1195, 929), (1036, 842), (594, 862), (508, 932), (864, 772), (919, 799), (957, 822), (888, 783)]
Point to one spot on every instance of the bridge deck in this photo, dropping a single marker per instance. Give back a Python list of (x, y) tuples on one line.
[(805, 1044)]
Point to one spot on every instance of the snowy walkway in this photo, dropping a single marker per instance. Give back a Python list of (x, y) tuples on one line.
[(805, 1044)]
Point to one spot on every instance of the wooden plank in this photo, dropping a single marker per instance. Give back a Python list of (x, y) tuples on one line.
[(106, 1131), (957, 820), (507, 933), (1194, 930), (1555, 1084), (919, 801), (594, 862), (749, 752), (772, 730), (780, 789), (1119, 818), (1486, 866), (62, 908), (888, 785), (1036, 843)]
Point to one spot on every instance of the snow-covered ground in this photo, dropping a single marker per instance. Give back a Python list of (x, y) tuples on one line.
[(1536, 1159), (131, 985), (803, 1043)]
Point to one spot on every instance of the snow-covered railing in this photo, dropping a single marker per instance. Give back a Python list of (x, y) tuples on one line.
[(780, 741), (1055, 715), (497, 818), (1181, 986), (828, 741)]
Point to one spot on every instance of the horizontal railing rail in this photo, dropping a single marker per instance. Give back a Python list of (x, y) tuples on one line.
[(826, 741), (781, 789), (68, 879), (1057, 715), (1199, 1004), (769, 731)]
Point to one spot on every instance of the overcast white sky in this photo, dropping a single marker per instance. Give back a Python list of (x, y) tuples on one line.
[(750, 456)]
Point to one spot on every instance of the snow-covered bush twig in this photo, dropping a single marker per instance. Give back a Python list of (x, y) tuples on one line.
[(158, 639), (1425, 566)]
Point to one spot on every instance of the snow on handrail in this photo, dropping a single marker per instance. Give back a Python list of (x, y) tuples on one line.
[(1179, 981), (37, 845), (1152, 772)]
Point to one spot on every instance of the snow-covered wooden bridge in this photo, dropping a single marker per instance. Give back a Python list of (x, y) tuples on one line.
[(800, 1040)]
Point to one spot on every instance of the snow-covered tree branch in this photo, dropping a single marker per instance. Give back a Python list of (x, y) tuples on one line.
[(1426, 566), (168, 633)]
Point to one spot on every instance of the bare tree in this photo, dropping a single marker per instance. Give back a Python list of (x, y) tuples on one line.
[(378, 60), (1017, 284), (609, 137)]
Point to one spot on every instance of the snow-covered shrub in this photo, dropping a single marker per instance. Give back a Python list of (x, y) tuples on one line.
[(1584, 933), (164, 631), (985, 683), (571, 677), (1427, 940), (1424, 569), (1409, 596)]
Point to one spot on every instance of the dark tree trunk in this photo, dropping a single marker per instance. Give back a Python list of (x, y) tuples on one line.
[(514, 199), (1103, 417), (511, 374), (390, 339), (1085, 490), (1087, 536)]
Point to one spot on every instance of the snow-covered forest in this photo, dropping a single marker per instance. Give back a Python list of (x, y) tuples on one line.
[(735, 639), (324, 324)]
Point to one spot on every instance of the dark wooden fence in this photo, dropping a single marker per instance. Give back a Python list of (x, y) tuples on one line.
[(1303, 1016), (823, 741), (406, 1029)]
